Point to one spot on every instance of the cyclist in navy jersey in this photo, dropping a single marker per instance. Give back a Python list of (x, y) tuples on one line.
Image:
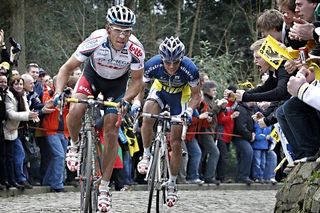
[(175, 83), (111, 55)]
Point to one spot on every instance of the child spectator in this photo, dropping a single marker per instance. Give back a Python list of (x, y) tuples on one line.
[(225, 129)]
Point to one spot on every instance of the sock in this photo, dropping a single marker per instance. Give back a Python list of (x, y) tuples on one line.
[(74, 143), (173, 179), (104, 184), (146, 151)]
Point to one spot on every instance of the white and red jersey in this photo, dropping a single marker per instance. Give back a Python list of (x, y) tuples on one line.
[(107, 62)]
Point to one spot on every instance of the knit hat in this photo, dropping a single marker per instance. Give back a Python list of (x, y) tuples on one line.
[(5, 65)]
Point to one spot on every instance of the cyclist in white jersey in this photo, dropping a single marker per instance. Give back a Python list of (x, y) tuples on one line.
[(110, 55)]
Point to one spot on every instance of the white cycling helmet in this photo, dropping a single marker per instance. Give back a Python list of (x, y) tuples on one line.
[(121, 15), (171, 49)]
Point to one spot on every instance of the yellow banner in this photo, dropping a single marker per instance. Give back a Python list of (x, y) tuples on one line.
[(273, 53), (247, 85), (274, 135)]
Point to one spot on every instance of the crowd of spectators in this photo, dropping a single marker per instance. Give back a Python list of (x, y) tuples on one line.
[(34, 136)]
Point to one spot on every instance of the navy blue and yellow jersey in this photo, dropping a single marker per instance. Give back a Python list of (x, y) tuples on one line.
[(186, 75)]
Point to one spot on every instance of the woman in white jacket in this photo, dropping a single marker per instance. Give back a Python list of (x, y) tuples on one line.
[(17, 110)]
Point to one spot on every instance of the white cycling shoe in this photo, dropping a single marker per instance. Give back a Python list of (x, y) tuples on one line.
[(143, 165), (172, 193), (72, 158), (104, 199)]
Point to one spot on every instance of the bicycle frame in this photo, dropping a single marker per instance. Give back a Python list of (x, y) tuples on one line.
[(159, 170), (90, 170), (163, 151)]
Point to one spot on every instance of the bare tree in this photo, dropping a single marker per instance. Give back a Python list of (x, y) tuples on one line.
[(178, 29), (194, 28), (17, 21)]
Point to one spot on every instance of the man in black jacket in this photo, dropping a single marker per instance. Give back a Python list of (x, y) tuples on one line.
[(244, 128)]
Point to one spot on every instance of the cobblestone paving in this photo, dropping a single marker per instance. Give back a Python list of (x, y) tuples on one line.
[(242, 201)]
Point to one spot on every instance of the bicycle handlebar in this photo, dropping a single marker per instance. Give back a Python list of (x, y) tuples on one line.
[(165, 116), (90, 101)]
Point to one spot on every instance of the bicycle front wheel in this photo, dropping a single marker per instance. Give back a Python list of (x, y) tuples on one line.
[(86, 175), (161, 195), (153, 173)]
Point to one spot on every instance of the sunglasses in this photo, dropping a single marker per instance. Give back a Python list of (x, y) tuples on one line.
[(175, 62), (117, 30)]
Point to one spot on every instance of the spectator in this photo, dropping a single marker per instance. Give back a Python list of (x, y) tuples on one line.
[(275, 87), (3, 168), (14, 73), (225, 129), (210, 151), (203, 77), (270, 22), (33, 69), (56, 132), (28, 135), (302, 28), (244, 128), (77, 72), (260, 148), (4, 68), (287, 8), (5, 56), (17, 110), (193, 148), (299, 120)]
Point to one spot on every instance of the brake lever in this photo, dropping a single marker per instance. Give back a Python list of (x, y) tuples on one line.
[(136, 121)]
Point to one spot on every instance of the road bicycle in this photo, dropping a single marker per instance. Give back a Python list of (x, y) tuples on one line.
[(89, 172), (159, 171)]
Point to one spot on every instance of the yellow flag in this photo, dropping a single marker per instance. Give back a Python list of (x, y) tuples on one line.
[(273, 53), (274, 135), (132, 141)]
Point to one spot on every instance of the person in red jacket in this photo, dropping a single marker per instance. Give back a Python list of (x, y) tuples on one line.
[(225, 130), (193, 147)]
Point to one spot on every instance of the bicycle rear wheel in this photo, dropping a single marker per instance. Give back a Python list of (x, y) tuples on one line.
[(153, 173), (86, 175)]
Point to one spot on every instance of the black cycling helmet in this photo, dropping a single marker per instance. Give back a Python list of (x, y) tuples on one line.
[(121, 15), (171, 49)]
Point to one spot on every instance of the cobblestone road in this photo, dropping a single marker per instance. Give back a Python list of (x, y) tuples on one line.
[(242, 201)]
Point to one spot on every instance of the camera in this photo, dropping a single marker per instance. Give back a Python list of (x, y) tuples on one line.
[(16, 46), (67, 91)]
